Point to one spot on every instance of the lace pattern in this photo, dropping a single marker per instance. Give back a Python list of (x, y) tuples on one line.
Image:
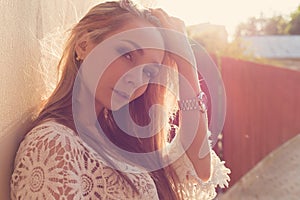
[(193, 187), (54, 163)]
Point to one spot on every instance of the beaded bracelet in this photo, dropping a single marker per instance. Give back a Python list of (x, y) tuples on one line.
[(198, 103)]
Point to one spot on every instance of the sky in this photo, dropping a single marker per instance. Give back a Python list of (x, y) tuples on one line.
[(224, 12)]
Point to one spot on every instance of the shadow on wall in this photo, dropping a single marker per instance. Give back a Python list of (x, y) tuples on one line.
[(9, 144)]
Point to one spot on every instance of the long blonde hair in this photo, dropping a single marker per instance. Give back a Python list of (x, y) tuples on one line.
[(101, 20)]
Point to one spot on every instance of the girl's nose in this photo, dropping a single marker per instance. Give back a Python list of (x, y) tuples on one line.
[(135, 77)]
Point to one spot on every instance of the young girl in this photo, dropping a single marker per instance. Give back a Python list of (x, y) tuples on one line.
[(112, 139)]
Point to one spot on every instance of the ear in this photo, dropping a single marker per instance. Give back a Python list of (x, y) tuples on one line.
[(83, 47)]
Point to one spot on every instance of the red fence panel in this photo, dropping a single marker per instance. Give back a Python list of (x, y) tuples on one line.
[(263, 111)]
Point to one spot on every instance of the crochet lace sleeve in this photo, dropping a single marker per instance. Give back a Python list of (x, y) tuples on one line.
[(193, 187), (45, 166), (53, 163)]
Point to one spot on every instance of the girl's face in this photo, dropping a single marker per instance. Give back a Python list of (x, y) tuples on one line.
[(128, 76)]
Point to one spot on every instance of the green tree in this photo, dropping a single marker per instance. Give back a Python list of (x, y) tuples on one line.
[(293, 27), (275, 25)]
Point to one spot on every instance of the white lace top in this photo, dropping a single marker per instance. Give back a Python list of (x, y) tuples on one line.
[(54, 163)]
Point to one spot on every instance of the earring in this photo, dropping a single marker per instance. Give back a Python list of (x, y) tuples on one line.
[(105, 113), (78, 58)]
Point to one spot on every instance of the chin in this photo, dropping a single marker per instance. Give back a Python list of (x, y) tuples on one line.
[(116, 107)]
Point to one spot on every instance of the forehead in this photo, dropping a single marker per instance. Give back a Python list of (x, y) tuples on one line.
[(141, 32)]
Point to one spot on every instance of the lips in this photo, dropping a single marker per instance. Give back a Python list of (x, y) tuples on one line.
[(122, 94)]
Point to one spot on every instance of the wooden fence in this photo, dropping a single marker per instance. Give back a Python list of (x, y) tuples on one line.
[(263, 111)]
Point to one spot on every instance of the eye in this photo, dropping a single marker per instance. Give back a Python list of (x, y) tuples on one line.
[(151, 71), (125, 52), (128, 56)]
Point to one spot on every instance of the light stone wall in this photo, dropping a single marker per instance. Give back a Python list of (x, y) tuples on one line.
[(25, 25)]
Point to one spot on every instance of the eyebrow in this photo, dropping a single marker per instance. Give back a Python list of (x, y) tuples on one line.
[(138, 48)]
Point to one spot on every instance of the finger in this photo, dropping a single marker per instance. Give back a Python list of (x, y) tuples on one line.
[(159, 11), (161, 14), (177, 21)]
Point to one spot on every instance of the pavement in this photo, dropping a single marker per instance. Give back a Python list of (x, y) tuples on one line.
[(276, 177)]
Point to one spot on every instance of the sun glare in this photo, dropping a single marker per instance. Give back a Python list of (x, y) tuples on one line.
[(225, 12)]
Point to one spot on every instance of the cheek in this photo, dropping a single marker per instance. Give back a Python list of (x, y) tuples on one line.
[(109, 77), (105, 83)]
